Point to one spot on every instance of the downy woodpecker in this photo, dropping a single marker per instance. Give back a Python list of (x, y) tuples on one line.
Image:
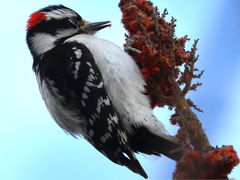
[(93, 89)]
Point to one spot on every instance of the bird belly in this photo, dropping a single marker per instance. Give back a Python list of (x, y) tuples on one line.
[(123, 82)]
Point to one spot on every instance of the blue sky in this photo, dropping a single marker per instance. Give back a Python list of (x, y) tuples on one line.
[(33, 147)]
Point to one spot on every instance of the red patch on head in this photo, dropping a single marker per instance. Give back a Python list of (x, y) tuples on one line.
[(35, 18)]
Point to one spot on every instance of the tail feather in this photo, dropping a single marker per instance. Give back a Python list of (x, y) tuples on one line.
[(142, 140), (136, 167), (129, 160)]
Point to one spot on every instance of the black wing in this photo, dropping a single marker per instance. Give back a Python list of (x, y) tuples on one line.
[(72, 68)]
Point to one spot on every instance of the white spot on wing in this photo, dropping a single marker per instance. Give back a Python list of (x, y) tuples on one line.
[(91, 71), (86, 89), (75, 72), (123, 137), (101, 103), (91, 121), (89, 84), (94, 116), (110, 128), (91, 133), (83, 103), (78, 53), (91, 77), (103, 139), (112, 120), (84, 95), (89, 64), (100, 85), (77, 64)]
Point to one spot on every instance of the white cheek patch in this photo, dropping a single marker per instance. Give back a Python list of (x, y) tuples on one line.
[(42, 42)]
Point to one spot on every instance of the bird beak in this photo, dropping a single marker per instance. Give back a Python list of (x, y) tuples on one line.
[(91, 28)]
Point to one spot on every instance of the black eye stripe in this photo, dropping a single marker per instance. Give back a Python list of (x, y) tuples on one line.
[(75, 21), (51, 26)]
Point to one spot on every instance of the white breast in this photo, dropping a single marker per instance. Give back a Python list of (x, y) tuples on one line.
[(123, 82)]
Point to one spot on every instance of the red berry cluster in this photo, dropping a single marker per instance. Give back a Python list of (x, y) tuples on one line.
[(161, 54), (215, 164)]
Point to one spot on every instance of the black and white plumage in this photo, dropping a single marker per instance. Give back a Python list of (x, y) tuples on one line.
[(93, 88)]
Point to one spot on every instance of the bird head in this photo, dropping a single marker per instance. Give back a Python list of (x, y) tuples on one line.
[(48, 25)]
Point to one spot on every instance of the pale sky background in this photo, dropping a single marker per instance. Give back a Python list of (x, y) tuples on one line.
[(33, 147)]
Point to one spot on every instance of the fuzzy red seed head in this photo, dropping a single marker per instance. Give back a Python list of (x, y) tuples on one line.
[(219, 163), (35, 18)]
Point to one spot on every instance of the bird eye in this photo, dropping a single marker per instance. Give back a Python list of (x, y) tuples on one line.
[(74, 22)]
